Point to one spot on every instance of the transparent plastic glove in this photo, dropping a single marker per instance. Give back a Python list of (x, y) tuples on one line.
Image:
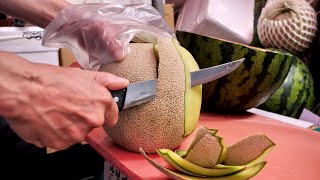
[(98, 34)]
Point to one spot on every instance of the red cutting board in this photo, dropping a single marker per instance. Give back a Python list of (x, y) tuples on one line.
[(295, 157)]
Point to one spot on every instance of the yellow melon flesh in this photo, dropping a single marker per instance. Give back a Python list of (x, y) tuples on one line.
[(173, 114), (192, 95)]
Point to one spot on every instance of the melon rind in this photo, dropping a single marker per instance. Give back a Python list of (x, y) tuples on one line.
[(244, 174), (248, 151), (193, 95), (188, 167)]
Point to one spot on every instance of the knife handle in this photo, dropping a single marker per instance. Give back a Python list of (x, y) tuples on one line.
[(119, 96)]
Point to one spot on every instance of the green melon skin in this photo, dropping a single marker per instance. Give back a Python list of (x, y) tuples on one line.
[(295, 94), (250, 85)]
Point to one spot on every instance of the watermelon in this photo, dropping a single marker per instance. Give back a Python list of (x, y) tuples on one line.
[(258, 5), (295, 94), (250, 85)]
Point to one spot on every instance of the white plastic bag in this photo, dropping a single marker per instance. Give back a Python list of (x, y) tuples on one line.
[(98, 34)]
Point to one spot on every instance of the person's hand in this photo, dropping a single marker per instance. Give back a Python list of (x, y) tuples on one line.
[(52, 106), (99, 34)]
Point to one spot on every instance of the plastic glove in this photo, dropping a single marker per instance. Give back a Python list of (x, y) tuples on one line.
[(99, 34)]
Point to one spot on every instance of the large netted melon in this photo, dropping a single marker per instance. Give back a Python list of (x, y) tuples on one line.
[(167, 120), (250, 85), (289, 25)]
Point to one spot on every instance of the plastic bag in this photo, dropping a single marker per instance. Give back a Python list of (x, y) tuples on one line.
[(98, 34)]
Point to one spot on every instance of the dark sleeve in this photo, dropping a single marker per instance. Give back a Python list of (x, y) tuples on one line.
[(30, 162), (13, 147)]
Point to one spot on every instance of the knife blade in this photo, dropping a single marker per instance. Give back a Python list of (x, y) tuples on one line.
[(206, 75), (142, 92), (135, 94)]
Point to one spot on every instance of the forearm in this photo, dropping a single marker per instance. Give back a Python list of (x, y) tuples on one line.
[(14, 73), (36, 12)]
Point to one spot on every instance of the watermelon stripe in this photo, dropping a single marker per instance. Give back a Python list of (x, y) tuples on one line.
[(226, 51), (305, 91), (259, 80), (251, 84), (297, 108), (296, 93), (269, 57), (287, 93), (223, 80)]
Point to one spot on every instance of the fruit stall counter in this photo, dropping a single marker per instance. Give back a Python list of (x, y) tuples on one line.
[(295, 156)]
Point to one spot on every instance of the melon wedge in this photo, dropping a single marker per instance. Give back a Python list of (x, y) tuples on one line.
[(187, 167), (166, 121), (207, 152), (200, 133), (248, 151), (206, 149), (242, 174)]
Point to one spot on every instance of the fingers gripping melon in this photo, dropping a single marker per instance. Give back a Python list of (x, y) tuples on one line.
[(174, 113)]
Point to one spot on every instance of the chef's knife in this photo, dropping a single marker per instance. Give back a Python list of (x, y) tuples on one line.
[(135, 94), (142, 92), (206, 75)]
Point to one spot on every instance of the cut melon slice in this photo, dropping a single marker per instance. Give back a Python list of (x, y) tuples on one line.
[(206, 149), (200, 133), (187, 167), (207, 152), (242, 174), (248, 151)]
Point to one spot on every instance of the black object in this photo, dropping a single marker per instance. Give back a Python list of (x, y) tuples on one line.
[(3, 16), (18, 23), (21, 160), (119, 96)]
